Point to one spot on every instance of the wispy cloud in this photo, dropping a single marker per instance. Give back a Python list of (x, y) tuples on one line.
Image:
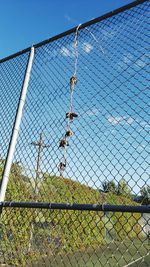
[(129, 120), (125, 61), (129, 59), (144, 124), (68, 51), (122, 119), (65, 51), (96, 40), (108, 33), (87, 47), (139, 146), (141, 62), (67, 17), (70, 19), (93, 112), (115, 120)]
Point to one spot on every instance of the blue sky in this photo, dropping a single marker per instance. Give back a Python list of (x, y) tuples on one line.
[(26, 22), (111, 139)]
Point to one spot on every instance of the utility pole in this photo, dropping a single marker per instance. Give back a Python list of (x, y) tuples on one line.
[(40, 146)]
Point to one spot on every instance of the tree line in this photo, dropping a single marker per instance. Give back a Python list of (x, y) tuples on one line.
[(122, 188)]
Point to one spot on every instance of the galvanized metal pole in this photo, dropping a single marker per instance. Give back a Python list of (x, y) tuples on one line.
[(16, 127)]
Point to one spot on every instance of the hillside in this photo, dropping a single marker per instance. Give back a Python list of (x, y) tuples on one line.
[(56, 189), (63, 190), (56, 232)]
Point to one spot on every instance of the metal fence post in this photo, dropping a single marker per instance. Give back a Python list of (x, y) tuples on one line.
[(16, 127)]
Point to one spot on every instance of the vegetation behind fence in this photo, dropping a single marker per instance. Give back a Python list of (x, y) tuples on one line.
[(74, 146)]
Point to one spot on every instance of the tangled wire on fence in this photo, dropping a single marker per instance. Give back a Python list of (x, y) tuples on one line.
[(64, 142)]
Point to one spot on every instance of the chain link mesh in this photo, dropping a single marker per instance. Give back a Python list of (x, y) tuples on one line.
[(73, 238), (11, 78), (84, 138)]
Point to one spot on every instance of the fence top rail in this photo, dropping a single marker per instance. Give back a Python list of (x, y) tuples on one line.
[(82, 26), (83, 207)]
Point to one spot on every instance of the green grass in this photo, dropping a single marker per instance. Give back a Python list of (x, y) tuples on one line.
[(113, 254), (141, 262)]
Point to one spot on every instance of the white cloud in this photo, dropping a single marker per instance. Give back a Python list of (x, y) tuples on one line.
[(140, 63), (108, 33), (139, 146), (70, 19), (67, 17), (65, 52), (130, 120), (115, 120), (113, 131), (144, 124), (87, 47), (118, 120), (69, 51), (127, 58), (93, 112)]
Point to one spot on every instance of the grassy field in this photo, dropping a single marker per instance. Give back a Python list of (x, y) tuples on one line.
[(112, 255), (141, 262)]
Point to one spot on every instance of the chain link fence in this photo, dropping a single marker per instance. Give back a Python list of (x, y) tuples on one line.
[(44, 237), (83, 140)]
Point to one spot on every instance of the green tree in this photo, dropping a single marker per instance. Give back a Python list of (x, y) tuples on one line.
[(145, 192), (109, 186), (123, 188)]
